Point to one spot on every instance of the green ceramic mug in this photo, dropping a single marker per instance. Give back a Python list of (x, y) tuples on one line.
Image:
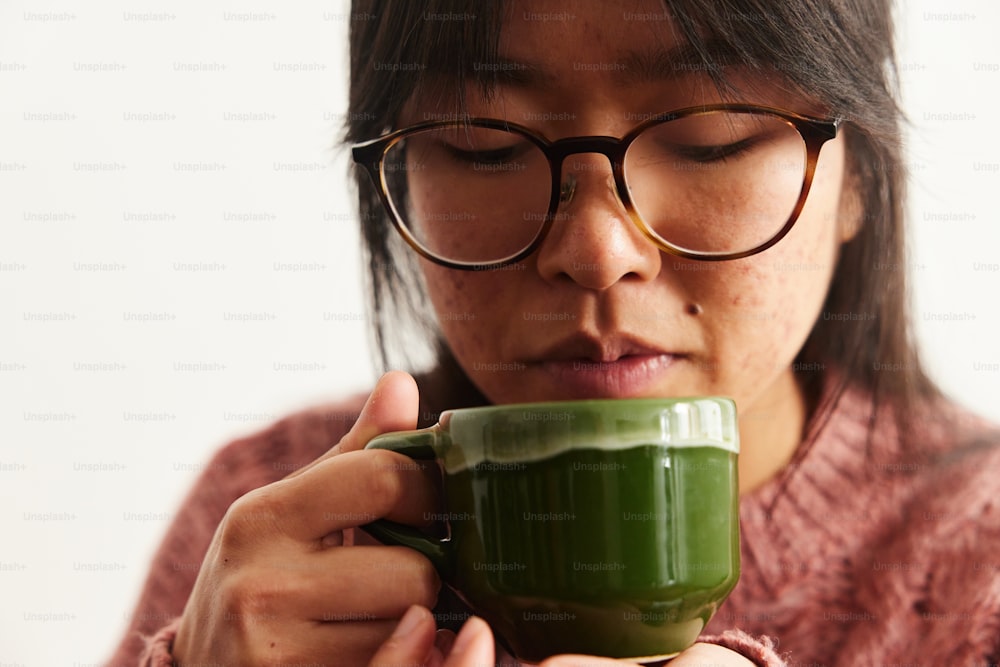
[(604, 527)]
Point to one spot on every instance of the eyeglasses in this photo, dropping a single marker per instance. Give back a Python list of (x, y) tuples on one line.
[(712, 182)]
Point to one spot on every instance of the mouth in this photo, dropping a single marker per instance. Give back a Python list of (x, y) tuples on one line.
[(616, 366)]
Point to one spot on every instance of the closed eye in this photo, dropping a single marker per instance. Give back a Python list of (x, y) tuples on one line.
[(491, 157), (709, 154)]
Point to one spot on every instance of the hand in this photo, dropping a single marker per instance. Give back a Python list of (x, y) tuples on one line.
[(414, 643), (277, 586)]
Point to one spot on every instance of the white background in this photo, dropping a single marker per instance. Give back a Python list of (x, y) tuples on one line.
[(127, 279)]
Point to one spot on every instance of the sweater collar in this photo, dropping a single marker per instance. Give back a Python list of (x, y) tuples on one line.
[(819, 505)]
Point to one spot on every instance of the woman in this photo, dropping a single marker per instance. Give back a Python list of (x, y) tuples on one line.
[(734, 248)]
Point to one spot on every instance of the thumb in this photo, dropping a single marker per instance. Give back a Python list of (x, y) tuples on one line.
[(585, 661), (701, 654), (411, 642), (393, 405), (698, 655)]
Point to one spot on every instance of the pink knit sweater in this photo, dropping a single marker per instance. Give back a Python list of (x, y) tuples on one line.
[(856, 554)]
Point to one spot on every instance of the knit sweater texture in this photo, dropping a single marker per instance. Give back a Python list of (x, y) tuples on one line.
[(858, 553)]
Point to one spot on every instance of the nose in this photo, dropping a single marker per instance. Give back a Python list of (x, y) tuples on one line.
[(593, 242)]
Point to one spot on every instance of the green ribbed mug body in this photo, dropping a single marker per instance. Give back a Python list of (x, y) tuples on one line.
[(599, 527)]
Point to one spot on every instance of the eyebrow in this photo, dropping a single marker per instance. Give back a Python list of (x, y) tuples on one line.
[(629, 67)]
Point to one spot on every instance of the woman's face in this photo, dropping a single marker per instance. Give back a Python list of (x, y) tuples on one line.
[(598, 310)]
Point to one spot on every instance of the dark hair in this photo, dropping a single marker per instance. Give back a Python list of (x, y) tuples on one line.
[(837, 52)]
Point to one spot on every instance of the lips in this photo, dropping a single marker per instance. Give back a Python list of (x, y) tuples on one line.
[(615, 366)]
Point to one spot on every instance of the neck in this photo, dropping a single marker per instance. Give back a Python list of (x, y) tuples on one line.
[(770, 431)]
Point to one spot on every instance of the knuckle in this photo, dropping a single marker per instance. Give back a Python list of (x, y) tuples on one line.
[(251, 515), (383, 483), (415, 574), (429, 585), (248, 602)]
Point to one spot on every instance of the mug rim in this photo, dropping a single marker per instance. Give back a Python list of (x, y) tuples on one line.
[(588, 402), (672, 422)]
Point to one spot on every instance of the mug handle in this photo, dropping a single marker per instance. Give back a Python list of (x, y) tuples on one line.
[(421, 445)]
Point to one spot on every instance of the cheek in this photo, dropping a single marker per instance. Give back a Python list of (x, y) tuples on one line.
[(760, 310), (467, 311)]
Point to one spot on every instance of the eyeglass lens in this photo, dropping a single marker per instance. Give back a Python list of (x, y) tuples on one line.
[(713, 182)]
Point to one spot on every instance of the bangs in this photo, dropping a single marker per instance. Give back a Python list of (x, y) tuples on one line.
[(834, 53), (437, 47), (839, 54)]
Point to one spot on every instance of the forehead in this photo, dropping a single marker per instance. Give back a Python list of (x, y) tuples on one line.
[(619, 42)]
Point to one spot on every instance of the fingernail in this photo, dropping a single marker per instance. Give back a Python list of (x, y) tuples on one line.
[(410, 622), (444, 640)]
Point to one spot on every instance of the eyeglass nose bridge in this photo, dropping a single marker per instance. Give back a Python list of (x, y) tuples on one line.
[(563, 189)]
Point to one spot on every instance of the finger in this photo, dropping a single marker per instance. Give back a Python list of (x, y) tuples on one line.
[(444, 640), (586, 661), (411, 641), (334, 539), (344, 643), (268, 640), (473, 646), (710, 655), (349, 585), (347, 491), (393, 405)]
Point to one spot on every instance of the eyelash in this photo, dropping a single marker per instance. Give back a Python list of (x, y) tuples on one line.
[(701, 154), (488, 157), (482, 157), (709, 154)]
